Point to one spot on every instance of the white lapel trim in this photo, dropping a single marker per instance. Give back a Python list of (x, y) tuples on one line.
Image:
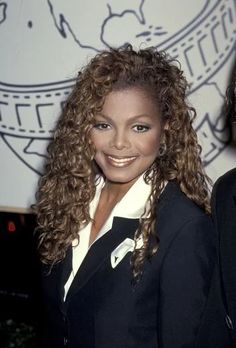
[(123, 248)]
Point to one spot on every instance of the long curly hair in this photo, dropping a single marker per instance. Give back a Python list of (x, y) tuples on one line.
[(68, 185)]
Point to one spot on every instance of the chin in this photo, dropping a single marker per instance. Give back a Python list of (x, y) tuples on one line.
[(120, 179)]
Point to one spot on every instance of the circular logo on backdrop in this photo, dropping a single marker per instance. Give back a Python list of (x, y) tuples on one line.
[(53, 41)]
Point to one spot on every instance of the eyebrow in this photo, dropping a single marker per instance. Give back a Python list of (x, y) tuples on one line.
[(133, 118)]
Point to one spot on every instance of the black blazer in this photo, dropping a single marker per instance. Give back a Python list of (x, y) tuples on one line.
[(224, 214), (164, 310)]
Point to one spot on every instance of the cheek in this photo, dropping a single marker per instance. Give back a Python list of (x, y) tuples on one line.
[(150, 146), (97, 141)]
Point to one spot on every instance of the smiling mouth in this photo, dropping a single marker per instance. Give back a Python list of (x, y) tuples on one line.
[(121, 161)]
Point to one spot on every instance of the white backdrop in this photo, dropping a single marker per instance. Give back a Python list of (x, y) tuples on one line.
[(45, 42)]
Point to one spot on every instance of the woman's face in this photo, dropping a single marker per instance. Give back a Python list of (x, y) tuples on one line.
[(126, 135)]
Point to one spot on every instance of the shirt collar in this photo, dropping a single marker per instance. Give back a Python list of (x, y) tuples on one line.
[(132, 205)]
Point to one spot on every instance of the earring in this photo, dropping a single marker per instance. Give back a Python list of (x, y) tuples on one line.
[(162, 149)]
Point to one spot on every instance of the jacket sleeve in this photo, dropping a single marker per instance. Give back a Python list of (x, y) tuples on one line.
[(184, 284)]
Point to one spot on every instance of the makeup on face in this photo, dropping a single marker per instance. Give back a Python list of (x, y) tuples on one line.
[(126, 135)]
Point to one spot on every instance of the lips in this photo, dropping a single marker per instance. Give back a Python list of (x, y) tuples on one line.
[(120, 161)]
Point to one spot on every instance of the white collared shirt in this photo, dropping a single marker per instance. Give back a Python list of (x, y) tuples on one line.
[(131, 206)]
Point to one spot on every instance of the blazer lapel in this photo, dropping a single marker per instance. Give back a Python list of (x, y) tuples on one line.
[(101, 250)]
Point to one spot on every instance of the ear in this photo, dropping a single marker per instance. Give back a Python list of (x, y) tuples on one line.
[(164, 128)]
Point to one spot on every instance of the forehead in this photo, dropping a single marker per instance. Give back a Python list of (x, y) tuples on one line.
[(130, 101)]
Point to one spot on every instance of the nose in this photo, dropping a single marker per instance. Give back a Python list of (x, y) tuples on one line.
[(120, 140)]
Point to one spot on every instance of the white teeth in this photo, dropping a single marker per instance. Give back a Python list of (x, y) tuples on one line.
[(121, 161)]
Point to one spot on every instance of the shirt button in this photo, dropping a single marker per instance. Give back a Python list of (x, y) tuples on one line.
[(229, 322)]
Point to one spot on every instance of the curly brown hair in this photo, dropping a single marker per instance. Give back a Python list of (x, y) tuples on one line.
[(68, 186)]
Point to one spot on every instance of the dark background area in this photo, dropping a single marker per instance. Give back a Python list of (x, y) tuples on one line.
[(18, 281)]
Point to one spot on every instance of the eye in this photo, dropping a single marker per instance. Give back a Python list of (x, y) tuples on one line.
[(101, 126), (141, 128)]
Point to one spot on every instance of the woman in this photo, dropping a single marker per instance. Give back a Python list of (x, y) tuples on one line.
[(125, 237)]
